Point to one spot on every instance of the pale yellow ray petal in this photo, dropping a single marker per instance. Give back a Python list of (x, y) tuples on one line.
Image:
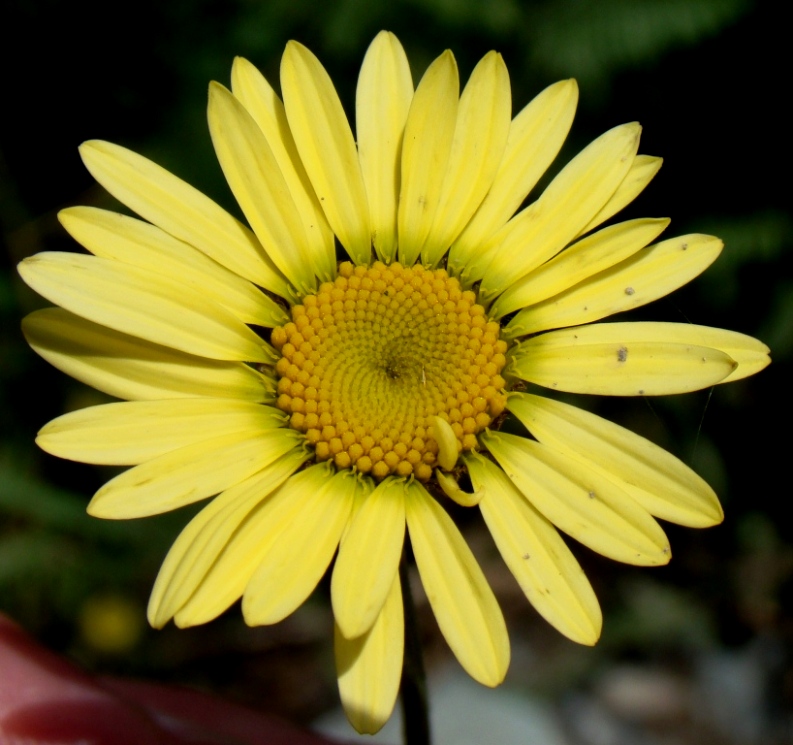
[(583, 259), (464, 605), (662, 484), (451, 489), (368, 559), (253, 174), (382, 101), (113, 236), (621, 359), (448, 445), (149, 306), (426, 147), (535, 553), (207, 534), (579, 501), (480, 136), (649, 274), (257, 96), (369, 667), (641, 173), (128, 368), (226, 578), (298, 558), (181, 210), (129, 433), (327, 148), (569, 202), (190, 473), (750, 354), (536, 135)]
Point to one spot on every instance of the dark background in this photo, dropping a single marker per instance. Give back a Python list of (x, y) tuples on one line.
[(707, 79)]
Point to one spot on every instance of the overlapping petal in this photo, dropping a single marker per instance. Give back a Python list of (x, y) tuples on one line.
[(181, 210), (129, 433), (480, 136), (260, 100), (426, 147), (369, 667), (140, 303), (301, 552), (382, 102), (132, 369), (463, 603), (584, 259), (580, 501), (647, 275), (327, 148), (207, 535), (625, 359), (252, 172), (658, 481), (130, 241), (535, 137), (569, 202), (369, 557), (191, 473), (238, 558), (536, 555)]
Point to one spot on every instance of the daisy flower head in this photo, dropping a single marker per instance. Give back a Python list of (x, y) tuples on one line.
[(329, 373)]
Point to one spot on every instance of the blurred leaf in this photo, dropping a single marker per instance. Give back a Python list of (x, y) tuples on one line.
[(777, 330), (760, 238), (591, 40)]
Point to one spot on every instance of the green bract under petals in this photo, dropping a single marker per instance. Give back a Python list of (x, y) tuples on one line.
[(330, 373)]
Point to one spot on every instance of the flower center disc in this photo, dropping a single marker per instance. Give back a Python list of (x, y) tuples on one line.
[(372, 358)]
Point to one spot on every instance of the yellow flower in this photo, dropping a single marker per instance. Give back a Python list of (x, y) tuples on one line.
[(389, 374)]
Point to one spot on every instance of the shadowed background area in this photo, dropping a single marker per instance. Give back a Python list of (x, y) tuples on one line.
[(699, 651)]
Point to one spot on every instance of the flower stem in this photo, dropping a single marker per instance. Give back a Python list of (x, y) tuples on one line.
[(413, 688)]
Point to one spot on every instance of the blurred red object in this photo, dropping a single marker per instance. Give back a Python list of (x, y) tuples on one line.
[(44, 699)]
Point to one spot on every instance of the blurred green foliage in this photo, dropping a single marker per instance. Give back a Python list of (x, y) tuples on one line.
[(703, 76)]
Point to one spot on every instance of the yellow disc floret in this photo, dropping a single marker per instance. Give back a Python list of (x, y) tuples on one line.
[(373, 357)]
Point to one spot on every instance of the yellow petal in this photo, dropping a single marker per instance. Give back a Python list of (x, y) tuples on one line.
[(569, 202), (750, 354), (426, 147), (452, 489), (226, 578), (583, 259), (622, 359), (327, 148), (149, 306), (641, 173), (257, 96), (128, 368), (535, 137), (579, 501), (125, 434), (298, 558), (190, 473), (382, 101), (448, 445), (662, 484), (113, 236), (647, 275), (368, 559), (207, 534), (480, 136), (253, 174), (173, 205), (369, 667), (464, 605), (535, 553)]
